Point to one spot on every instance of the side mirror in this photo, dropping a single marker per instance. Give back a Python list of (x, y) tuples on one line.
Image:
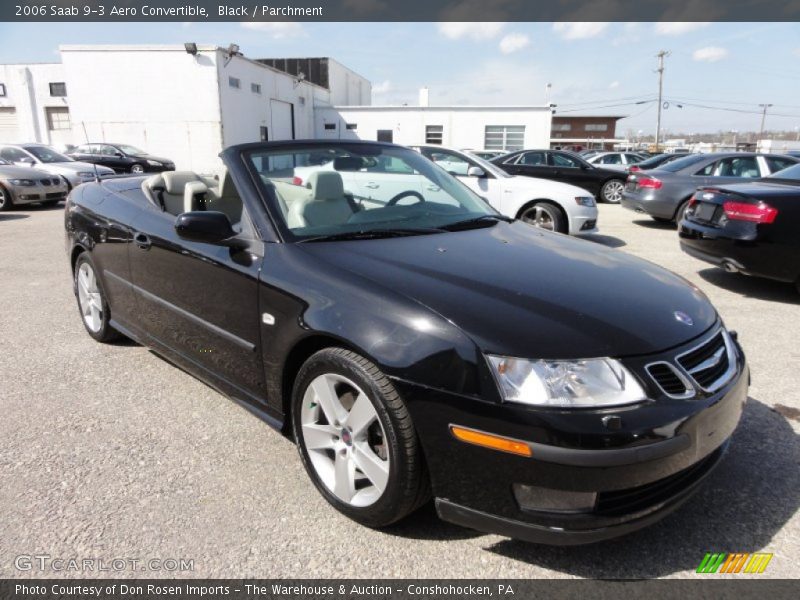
[(476, 172), (119, 155), (207, 226)]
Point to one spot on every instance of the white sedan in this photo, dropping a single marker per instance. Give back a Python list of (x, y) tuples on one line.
[(547, 204)]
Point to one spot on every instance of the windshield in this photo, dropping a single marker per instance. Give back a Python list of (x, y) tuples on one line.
[(47, 155), (681, 163), (339, 189), (792, 172), (133, 150)]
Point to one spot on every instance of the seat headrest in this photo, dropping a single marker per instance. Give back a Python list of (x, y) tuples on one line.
[(348, 163), (191, 191), (175, 181), (326, 185)]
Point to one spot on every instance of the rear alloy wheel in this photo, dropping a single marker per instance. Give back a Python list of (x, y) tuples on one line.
[(545, 215), (137, 169), (5, 200), (92, 303), (611, 191), (356, 439)]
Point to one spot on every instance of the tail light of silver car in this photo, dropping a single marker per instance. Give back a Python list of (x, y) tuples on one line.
[(649, 182)]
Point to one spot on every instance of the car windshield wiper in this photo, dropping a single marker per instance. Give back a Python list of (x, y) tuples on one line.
[(481, 221), (371, 234)]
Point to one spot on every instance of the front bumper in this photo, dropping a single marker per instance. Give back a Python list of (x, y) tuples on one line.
[(583, 220), (640, 471), (37, 193)]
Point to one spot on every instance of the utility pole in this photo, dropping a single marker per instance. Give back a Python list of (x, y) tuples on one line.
[(661, 56), (763, 118)]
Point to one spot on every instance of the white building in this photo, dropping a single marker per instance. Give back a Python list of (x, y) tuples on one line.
[(189, 102), (777, 146), (34, 104), (473, 127)]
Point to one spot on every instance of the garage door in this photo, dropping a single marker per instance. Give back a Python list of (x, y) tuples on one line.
[(282, 120), (8, 125)]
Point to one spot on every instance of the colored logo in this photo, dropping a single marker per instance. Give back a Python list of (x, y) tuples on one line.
[(682, 317), (736, 562)]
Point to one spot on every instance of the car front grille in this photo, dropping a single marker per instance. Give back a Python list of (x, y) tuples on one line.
[(56, 196), (708, 366), (623, 502)]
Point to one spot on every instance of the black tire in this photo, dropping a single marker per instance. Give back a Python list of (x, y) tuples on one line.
[(6, 203), (408, 484), (548, 209), (680, 211), (609, 191), (137, 169), (105, 333)]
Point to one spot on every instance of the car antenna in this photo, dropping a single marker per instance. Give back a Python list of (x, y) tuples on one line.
[(86, 139)]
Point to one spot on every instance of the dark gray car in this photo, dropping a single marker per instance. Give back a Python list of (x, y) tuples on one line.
[(664, 193)]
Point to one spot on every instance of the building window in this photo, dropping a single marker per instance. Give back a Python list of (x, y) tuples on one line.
[(434, 134), (352, 126), (58, 119), (385, 135), (58, 89), (504, 137), (264, 134), (596, 127), (561, 127), (2, 90), (235, 82), (330, 126), (255, 88)]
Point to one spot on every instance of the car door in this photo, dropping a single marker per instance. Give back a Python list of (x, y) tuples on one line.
[(458, 165), (734, 169), (570, 169), (201, 299), (532, 163), (109, 156), (83, 153)]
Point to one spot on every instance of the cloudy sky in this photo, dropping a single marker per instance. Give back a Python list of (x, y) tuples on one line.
[(717, 72)]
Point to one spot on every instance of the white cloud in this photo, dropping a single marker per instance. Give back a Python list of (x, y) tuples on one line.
[(709, 54), (679, 27), (513, 42), (383, 87), (613, 85), (578, 30), (278, 30), (455, 30)]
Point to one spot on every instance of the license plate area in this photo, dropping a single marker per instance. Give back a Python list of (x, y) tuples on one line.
[(704, 211)]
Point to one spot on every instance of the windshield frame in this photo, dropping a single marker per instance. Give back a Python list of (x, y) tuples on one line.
[(270, 202), (126, 149)]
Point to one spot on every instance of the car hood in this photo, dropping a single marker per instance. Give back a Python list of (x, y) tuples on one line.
[(13, 172), (519, 291), (543, 187), (68, 168)]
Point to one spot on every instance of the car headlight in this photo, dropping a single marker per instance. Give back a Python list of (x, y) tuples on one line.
[(154, 163), (585, 200), (22, 182), (596, 382)]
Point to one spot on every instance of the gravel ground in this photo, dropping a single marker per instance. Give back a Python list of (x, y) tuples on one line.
[(110, 452)]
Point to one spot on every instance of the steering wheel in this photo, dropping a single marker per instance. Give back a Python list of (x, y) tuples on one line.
[(407, 193)]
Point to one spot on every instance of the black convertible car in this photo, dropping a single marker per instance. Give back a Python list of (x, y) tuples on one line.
[(413, 341)]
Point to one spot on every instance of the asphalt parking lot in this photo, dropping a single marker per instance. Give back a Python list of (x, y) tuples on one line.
[(107, 451)]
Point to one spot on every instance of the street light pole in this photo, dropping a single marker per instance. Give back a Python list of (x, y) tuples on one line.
[(763, 118), (661, 56)]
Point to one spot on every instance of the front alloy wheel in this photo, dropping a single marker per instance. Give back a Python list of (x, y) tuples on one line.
[(545, 215), (612, 191), (356, 439), (5, 200), (137, 169)]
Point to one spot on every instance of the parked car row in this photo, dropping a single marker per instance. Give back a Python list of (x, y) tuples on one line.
[(37, 173)]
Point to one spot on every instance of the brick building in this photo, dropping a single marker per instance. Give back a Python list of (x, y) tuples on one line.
[(580, 132)]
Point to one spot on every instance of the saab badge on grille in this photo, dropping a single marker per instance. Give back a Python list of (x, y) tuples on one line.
[(682, 317)]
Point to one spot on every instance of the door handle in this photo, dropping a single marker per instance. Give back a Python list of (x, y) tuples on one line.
[(141, 240), (433, 188), (371, 185)]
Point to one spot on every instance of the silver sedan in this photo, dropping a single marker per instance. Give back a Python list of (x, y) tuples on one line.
[(23, 185)]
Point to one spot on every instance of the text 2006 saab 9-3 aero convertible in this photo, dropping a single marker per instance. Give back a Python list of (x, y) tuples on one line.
[(415, 342)]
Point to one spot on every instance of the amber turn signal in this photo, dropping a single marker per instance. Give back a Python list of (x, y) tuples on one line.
[(487, 440)]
